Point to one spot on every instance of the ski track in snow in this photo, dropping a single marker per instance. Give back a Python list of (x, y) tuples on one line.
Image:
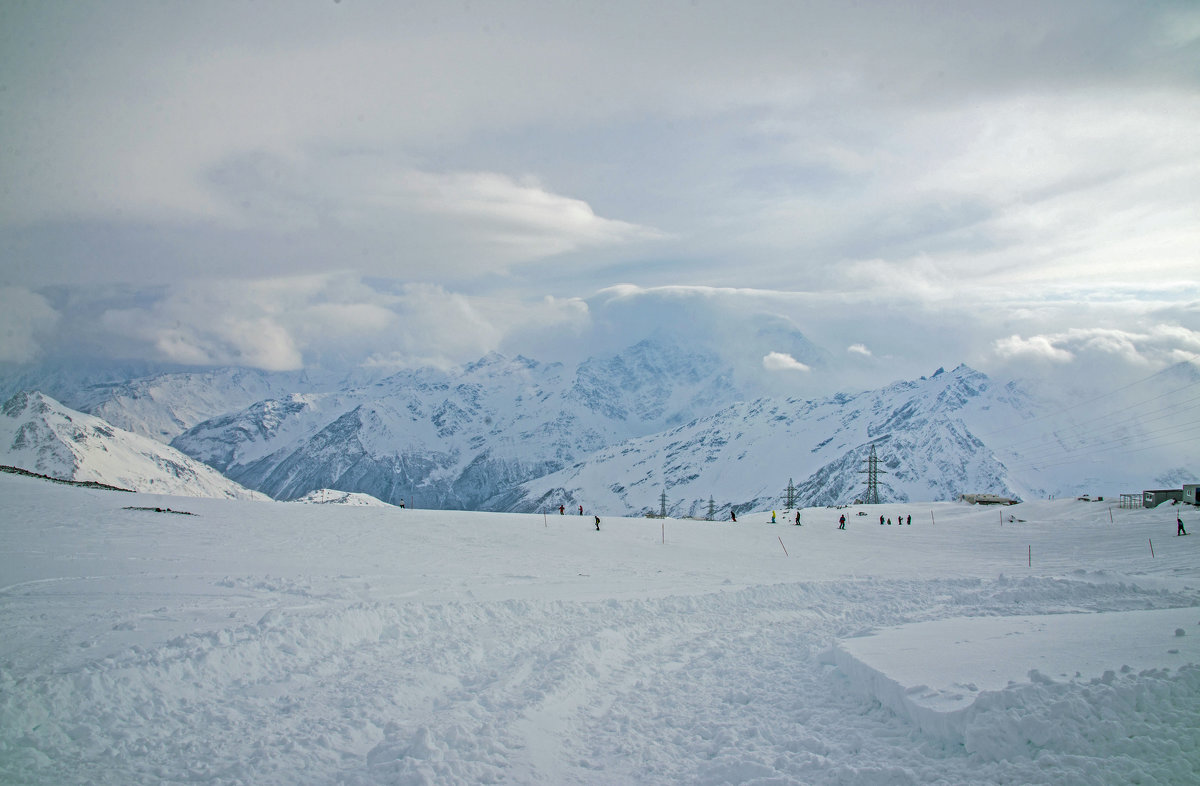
[(267, 679)]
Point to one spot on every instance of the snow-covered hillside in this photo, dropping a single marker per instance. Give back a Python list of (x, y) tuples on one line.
[(743, 457), (41, 435), (274, 643)]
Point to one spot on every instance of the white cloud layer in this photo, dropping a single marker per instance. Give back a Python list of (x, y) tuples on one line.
[(1009, 184)]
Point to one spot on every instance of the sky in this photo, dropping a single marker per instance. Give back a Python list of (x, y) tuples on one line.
[(877, 188)]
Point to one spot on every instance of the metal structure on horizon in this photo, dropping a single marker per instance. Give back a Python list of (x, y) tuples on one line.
[(872, 472)]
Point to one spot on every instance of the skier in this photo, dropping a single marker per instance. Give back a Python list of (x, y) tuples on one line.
[(562, 510), (881, 521), (772, 517), (798, 524), (909, 522), (733, 515), (581, 510), (842, 522), (1179, 526), (597, 523), (889, 522)]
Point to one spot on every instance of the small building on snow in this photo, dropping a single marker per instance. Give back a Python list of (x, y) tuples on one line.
[(1152, 498)]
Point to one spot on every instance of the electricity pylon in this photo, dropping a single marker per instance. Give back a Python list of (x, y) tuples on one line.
[(872, 472)]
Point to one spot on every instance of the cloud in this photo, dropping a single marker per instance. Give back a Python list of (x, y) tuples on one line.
[(333, 321), (781, 361), (1037, 347), (1158, 345), (859, 349), (25, 319)]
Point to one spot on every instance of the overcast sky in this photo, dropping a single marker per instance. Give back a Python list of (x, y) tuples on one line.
[(1015, 185)]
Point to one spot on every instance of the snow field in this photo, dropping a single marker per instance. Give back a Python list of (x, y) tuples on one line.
[(283, 643)]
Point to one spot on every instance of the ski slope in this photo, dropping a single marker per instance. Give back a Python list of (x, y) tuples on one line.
[(280, 643)]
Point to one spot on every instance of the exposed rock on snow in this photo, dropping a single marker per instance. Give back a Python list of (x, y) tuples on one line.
[(334, 497)]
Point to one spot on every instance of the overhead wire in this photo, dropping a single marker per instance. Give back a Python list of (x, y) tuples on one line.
[(1082, 403), (1119, 410), (1046, 441)]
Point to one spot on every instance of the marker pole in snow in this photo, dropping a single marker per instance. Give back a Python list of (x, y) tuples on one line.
[(1151, 548), (784, 547), (931, 518), (664, 529), (1110, 518), (1030, 556)]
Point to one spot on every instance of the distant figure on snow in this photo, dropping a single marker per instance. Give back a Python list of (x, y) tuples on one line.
[(733, 516), (1179, 524), (909, 522), (597, 523), (581, 510), (798, 524), (562, 510), (402, 504), (889, 522), (772, 517), (842, 522), (881, 521)]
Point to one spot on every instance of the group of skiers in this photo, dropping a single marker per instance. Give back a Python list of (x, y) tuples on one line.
[(562, 511)]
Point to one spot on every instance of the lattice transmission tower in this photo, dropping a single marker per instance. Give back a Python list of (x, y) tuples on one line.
[(872, 472)]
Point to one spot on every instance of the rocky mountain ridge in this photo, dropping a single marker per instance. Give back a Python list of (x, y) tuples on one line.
[(40, 435)]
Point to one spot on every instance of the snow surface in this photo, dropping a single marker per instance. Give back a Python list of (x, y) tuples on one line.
[(273, 643)]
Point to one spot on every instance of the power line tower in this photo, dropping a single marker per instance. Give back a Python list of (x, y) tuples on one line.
[(872, 472), (790, 495), (662, 501), (712, 508)]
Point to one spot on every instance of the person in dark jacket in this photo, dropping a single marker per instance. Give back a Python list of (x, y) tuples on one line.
[(597, 523), (842, 522), (1179, 526)]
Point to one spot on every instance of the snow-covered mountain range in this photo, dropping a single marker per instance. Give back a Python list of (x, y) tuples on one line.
[(617, 431), (41, 435), (461, 439), (925, 433)]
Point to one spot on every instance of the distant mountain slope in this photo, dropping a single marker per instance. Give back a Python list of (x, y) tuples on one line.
[(459, 439), (41, 435), (744, 456)]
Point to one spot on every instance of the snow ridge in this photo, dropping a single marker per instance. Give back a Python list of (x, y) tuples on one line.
[(41, 435)]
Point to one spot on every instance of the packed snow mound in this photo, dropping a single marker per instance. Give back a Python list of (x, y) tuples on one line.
[(948, 676), (41, 435), (335, 497)]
